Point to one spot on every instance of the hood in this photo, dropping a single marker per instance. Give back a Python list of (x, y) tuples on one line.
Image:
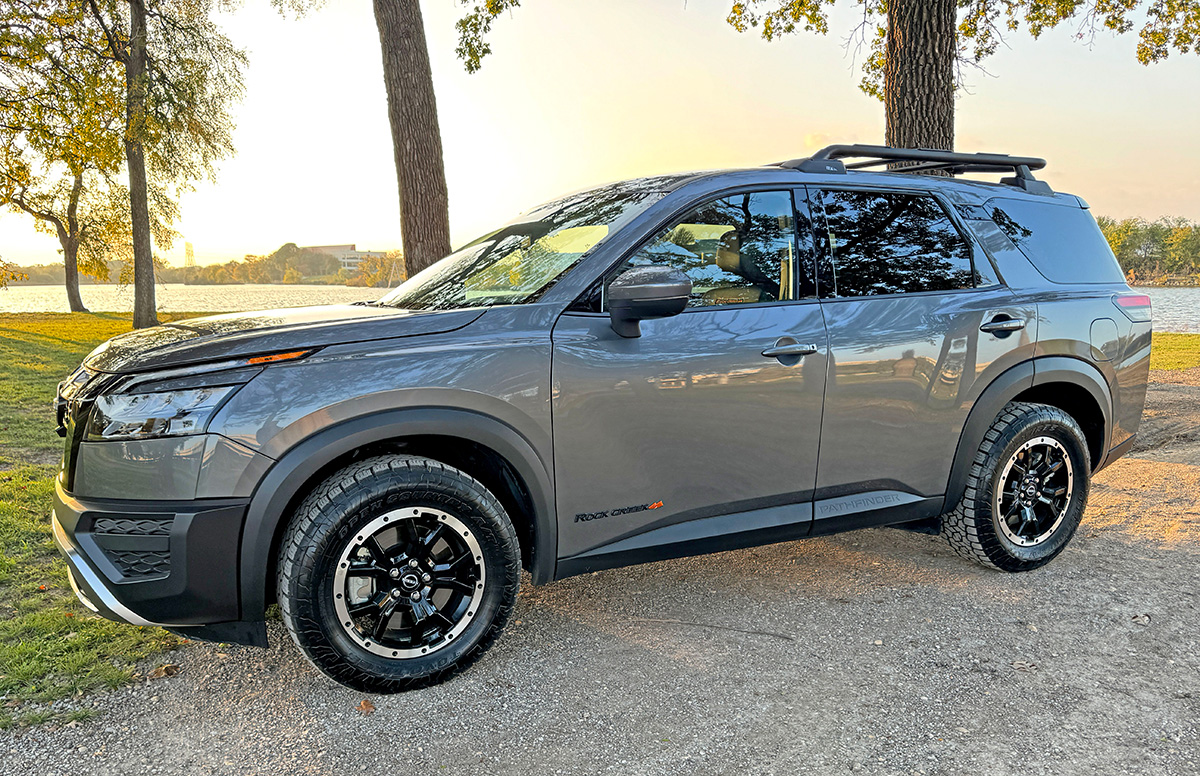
[(239, 335)]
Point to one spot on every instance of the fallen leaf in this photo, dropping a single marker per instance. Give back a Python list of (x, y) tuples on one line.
[(365, 707), (165, 670), (41, 587), (1141, 619), (1032, 628), (878, 642), (1021, 665)]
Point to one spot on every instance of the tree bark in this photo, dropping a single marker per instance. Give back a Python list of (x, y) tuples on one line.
[(416, 138), (69, 239), (918, 74), (144, 313)]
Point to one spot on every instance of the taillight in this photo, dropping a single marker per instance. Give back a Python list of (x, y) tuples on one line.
[(1135, 306)]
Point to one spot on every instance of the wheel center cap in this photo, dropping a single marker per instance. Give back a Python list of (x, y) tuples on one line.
[(410, 581)]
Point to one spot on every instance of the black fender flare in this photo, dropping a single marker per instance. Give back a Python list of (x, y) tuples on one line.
[(296, 468), (1006, 387)]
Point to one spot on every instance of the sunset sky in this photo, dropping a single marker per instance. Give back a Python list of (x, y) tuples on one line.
[(578, 93)]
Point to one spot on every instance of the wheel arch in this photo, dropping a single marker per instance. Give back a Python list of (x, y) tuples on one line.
[(1072, 385), (488, 449)]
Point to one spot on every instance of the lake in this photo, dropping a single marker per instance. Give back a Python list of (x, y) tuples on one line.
[(175, 297), (1175, 309)]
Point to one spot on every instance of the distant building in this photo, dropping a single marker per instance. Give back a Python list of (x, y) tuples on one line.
[(347, 255)]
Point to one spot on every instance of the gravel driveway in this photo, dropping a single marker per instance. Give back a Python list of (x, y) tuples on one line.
[(876, 652)]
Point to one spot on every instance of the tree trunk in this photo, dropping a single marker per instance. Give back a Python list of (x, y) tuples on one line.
[(135, 130), (416, 139), (71, 260), (918, 74), (69, 239)]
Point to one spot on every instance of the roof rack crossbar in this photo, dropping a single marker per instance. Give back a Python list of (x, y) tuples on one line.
[(829, 160)]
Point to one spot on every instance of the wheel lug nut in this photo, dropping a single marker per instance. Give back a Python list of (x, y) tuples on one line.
[(413, 563), (415, 596), (395, 594), (394, 573), (425, 577)]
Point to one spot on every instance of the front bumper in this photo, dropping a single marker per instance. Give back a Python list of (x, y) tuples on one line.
[(169, 563)]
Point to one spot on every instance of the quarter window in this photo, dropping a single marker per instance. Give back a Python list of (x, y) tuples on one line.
[(892, 243), (736, 250)]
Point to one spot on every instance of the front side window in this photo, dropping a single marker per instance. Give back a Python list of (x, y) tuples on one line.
[(518, 262), (892, 243), (739, 249)]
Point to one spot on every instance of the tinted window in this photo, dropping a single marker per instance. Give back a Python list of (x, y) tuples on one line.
[(892, 243), (736, 250), (1062, 241)]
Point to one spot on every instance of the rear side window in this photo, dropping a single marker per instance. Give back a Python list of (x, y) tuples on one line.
[(892, 243), (1062, 241)]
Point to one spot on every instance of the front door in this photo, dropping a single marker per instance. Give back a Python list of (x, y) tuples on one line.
[(690, 432)]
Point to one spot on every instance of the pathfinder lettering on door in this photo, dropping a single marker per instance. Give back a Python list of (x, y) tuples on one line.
[(860, 504)]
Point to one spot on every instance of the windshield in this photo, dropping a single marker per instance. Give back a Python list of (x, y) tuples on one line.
[(517, 263)]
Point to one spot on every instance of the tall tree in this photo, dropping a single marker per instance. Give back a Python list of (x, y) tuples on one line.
[(416, 136), (181, 76), (58, 153), (919, 47)]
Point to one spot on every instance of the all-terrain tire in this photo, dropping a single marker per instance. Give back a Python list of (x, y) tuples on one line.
[(972, 528), (329, 517)]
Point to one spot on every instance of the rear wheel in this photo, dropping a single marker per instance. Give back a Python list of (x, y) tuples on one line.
[(1026, 490), (397, 572)]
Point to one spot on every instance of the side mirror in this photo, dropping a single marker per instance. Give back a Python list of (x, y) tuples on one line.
[(646, 292)]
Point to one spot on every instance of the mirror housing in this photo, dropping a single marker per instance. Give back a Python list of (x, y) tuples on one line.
[(646, 292)]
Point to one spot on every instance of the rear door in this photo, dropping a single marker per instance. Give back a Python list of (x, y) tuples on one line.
[(659, 439), (908, 301)]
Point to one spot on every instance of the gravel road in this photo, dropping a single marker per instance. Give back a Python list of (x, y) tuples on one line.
[(877, 652)]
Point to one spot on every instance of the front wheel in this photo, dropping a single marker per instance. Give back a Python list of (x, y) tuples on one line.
[(1026, 490), (397, 572)]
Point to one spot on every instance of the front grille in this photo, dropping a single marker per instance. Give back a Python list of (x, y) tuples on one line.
[(137, 563), (151, 526)]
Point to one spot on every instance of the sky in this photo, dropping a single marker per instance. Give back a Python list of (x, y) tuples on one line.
[(578, 93)]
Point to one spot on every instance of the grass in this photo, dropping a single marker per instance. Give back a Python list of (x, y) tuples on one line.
[(1175, 351), (51, 647)]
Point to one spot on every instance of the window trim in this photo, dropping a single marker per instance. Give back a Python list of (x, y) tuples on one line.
[(951, 215), (754, 188)]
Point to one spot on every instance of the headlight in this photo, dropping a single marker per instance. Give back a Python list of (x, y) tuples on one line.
[(145, 415)]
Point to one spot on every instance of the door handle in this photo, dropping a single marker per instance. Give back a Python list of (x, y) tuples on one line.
[(789, 349), (1002, 325)]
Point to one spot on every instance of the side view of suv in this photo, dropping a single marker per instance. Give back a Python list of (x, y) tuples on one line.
[(651, 369)]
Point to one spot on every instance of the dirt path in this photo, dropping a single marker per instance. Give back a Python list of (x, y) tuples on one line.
[(877, 652)]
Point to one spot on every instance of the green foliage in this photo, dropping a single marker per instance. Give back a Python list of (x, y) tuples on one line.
[(288, 261), (9, 271), (474, 27), (379, 271), (1166, 250), (1165, 25)]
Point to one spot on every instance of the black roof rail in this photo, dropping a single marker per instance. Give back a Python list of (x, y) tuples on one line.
[(829, 160)]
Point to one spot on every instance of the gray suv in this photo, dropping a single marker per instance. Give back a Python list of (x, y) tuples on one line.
[(651, 369)]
